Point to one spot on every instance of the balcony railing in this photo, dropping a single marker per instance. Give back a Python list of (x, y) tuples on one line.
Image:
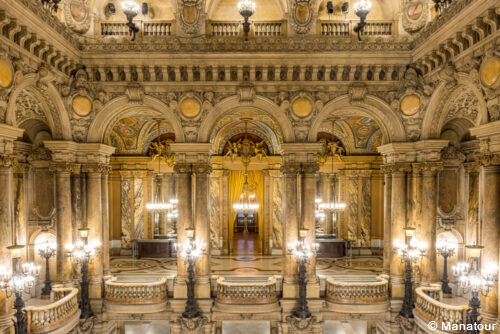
[(135, 293), (346, 28), (57, 317), (146, 29), (246, 290), (429, 307), (257, 29), (348, 292)]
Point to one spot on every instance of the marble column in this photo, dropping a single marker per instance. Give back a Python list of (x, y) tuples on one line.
[(490, 184), (352, 206), (365, 208), (126, 210), (19, 218), (6, 204), (185, 218), (277, 211), (291, 228), (387, 218), (326, 197), (416, 197), (267, 212), (163, 222), (428, 264), (472, 179), (202, 228), (94, 223), (105, 218), (308, 217), (398, 222), (341, 216), (77, 202), (63, 219), (225, 211)]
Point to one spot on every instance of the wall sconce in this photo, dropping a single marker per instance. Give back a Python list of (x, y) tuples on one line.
[(361, 9), (246, 8), (329, 8), (131, 9)]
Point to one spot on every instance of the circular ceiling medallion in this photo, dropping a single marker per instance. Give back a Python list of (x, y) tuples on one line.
[(82, 106), (490, 71), (5, 74), (302, 107), (190, 107), (410, 104)]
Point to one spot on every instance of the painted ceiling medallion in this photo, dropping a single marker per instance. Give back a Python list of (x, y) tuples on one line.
[(302, 107), (415, 15), (190, 107), (490, 71), (6, 74), (77, 15), (82, 106), (410, 104)]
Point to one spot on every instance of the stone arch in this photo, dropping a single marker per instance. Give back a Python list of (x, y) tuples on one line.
[(390, 124), (120, 107), (441, 102), (233, 104), (52, 103)]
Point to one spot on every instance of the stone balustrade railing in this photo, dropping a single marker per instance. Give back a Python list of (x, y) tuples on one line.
[(135, 293), (346, 28), (345, 292), (430, 308), (56, 315), (257, 29), (246, 290), (146, 29)]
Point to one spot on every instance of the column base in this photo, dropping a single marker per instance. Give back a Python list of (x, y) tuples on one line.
[(180, 289), (202, 288), (291, 290)]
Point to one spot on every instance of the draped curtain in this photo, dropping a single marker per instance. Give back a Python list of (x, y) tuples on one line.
[(256, 182)]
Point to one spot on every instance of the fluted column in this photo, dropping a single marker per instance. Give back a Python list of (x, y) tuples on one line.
[(291, 227), (94, 223), (387, 218), (6, 204), (63, 219), (183, 174), (105, 218), (429, 216), (398, 222), (202, 228)]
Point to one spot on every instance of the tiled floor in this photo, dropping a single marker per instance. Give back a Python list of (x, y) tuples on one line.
[(248, 264)]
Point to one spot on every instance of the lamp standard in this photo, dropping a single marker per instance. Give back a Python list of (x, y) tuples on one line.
[(410, 253), (361, 9), (246, 8), (20, 279), (303, 253), (190, 252), (446, 249), (471, 279), (46, 250), (131, 9), (82, 254)]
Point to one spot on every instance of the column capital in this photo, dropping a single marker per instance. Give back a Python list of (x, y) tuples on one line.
[(96, 168), (8, 160), (397, 168), (431, 168), (488, 159), (8, 134), (63, 167), (202, 168), (365, 173), (125, 174), (310, 167), (21, 167), (291, 168), (182, 168), (472, 167)]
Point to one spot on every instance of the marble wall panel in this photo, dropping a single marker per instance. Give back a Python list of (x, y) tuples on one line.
[(215, 214), (126, 213), (139, 208), (448, 190), (44, 192), (277, 215)]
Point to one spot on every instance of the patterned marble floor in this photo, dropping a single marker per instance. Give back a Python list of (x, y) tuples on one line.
[(247, 265)]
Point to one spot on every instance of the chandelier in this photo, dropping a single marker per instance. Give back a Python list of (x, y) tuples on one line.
[(361, 9), (246, 8), (160, 151), (246, 149), (130, 8)]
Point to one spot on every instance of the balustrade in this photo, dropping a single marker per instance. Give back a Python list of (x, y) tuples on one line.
[(146, 29), (346, 28), (345, 292), (227, 29), (135, 293), (246, 290), (54, 316), (429, 307)]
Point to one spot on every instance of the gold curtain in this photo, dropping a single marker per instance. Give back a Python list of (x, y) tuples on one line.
[(256, 183)]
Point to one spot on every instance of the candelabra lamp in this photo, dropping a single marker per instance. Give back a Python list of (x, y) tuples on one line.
[(246, 8), (131, 9), (83, 254), (361, 9), (22, 278), (190, 252), (303, 254), (446, 249), (410, 253), (470, 279), (46, 250)]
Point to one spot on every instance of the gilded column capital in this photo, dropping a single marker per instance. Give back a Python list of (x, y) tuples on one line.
[(182, 168), (63, 167), (431, 168), (96, 168), (397, 168), (8, 160), (488, 159), (310, 168), (202, 168), (291, 168)]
